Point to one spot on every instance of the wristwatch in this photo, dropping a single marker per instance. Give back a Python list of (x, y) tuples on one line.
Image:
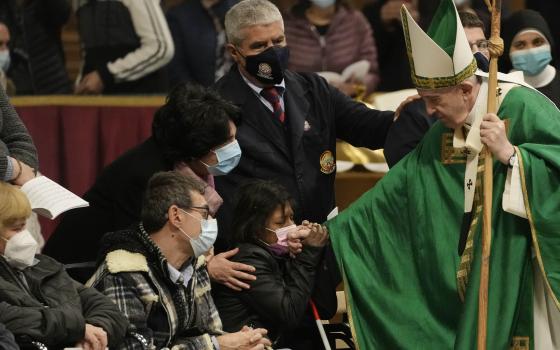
[(512, 160)]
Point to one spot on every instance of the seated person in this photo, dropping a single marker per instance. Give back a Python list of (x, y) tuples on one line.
[(39, 301), (194, 133), (278, 299), (156, 272), (328, 35)]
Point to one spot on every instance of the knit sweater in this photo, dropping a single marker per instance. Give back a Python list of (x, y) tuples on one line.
[(348, 39), (15, 141)]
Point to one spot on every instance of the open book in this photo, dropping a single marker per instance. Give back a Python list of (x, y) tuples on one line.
[(49, 199), (357, 71)]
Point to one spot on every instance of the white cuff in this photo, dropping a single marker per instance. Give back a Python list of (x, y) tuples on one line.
[(512, 200)]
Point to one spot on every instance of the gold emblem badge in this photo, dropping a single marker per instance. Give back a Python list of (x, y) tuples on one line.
[(265, 70), (327, 162)]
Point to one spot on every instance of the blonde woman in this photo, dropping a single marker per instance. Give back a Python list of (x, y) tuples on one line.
[(39, 302)]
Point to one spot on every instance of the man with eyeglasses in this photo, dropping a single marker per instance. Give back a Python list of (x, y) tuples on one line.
[(156, 272), (414, 122)]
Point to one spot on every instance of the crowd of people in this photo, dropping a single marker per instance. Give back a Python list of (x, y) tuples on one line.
[(214, 234), (140, 47)]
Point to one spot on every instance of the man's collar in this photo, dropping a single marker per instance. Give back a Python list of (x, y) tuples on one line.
[(258, 89), (180, 274)]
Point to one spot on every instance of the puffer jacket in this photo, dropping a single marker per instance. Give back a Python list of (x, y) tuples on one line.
[(278, 299), (42, 303)]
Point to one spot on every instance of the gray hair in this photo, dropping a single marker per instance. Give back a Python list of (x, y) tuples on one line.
[(165, 189), (249, 13)]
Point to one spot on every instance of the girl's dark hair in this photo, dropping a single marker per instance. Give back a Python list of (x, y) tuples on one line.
[(255, 201), (192, 121)]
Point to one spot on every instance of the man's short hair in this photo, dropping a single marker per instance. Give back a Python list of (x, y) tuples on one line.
[(167, 188), (193, 121), (249, 13), (471, 20)]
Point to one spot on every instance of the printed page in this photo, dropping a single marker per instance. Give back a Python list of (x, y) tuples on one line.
[(357, 70), (49, 199), (331, 77)]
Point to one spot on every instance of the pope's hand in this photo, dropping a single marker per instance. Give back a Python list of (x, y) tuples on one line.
[(493, 135)]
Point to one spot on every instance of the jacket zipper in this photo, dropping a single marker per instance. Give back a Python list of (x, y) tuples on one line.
[(20, 283), (323, 44)]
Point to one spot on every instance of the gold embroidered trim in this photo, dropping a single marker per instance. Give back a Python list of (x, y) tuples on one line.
[(467, 257), (443, 82), (450, 155), (433, 83), (520, 343), (534, 237), (349, 307)]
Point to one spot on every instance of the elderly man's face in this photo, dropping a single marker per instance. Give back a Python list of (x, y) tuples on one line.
[(450, 105), (258, 38)]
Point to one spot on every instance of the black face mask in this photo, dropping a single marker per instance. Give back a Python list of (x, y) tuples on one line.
[(268, 66), (481, 61)]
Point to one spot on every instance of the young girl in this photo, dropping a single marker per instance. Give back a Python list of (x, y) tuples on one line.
[(279, 298)]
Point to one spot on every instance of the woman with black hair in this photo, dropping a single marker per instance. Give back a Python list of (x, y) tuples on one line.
[(194, 133), (279, 297), (529, 47)]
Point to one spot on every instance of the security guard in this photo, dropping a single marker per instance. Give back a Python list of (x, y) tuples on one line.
[(290, 121)]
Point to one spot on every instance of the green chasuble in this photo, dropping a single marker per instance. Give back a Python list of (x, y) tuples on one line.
[(397, 245)]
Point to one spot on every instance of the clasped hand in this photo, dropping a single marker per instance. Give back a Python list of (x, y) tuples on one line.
[(493, 135), (311, 234)]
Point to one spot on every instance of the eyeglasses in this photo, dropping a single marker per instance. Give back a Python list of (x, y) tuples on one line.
[(481, 44), (204, 211)]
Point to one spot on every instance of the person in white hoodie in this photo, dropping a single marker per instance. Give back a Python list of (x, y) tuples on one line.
[(126, 44)]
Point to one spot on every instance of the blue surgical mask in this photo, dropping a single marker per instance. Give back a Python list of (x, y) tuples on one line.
[(207, 237), (323, 3), (228, 158), (5, 60), (531, 61)]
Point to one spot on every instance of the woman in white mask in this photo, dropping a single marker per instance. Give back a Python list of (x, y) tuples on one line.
[(529, 46), (328, 35), (40, 302), (278, 299)]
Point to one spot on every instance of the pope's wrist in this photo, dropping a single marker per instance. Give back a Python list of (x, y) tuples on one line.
[(506, 155)]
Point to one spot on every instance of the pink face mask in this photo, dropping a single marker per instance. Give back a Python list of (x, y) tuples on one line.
[(282, 234), (280, 248)]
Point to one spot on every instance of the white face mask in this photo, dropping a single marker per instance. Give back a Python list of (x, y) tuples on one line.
[(20, 250), (323, 3), (207, 237), (5, 60)]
